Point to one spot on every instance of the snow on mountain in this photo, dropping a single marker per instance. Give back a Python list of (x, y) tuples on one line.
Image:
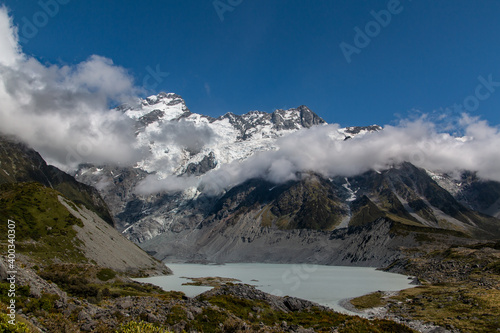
[(178, 142), (181, 145), (178, 139)]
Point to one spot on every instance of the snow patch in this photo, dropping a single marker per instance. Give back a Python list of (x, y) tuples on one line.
[(352, 194)]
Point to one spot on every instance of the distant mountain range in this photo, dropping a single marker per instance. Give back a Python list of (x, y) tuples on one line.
[(361, 219)]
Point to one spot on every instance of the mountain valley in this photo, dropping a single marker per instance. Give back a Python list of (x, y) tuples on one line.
[(188, 201)]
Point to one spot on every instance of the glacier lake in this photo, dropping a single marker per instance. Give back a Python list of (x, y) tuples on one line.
[(326, 285)]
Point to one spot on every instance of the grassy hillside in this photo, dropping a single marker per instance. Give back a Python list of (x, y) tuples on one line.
[(19, 163), (44, 227)]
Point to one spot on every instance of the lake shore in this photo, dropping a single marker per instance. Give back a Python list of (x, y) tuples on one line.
[(325, 285)]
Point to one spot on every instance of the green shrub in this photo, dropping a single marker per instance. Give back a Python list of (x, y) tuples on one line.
[(106, 274), (140, 327), (46, 302), (6, 327)]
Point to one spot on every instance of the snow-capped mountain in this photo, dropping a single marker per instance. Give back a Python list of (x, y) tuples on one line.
[(182, 143), (187, 223), (179, 140)]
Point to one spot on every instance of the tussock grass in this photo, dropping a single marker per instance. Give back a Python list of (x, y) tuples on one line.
[(369, 301)]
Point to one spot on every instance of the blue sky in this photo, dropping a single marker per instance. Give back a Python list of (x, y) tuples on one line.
[(268, 54)]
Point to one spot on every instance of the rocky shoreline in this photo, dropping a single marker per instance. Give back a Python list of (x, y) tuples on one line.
[(49, 307), (455, 281), (459, 290), (383, 312)]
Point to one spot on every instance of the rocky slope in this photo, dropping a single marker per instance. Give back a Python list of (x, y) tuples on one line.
[(337, 221), (106, 247), (59, 219)]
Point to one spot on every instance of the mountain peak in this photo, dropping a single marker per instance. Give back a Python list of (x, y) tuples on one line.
[(352, 131), (296, 118), (169, 106), (168, 98)]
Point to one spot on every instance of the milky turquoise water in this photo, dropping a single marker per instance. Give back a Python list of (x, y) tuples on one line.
[(326, 285)]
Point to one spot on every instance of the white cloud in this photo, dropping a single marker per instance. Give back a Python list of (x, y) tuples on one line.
[(63, 111), (9, 51), (208, 89), (319, 150)]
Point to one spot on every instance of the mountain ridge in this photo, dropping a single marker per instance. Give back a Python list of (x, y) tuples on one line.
[(185, 145), (224, 139)]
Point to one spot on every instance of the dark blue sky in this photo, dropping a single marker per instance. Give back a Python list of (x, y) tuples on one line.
[(269, 54)]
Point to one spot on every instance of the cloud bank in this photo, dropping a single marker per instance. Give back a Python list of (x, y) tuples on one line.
[(319, 150), (63, 111), (185, 134)]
